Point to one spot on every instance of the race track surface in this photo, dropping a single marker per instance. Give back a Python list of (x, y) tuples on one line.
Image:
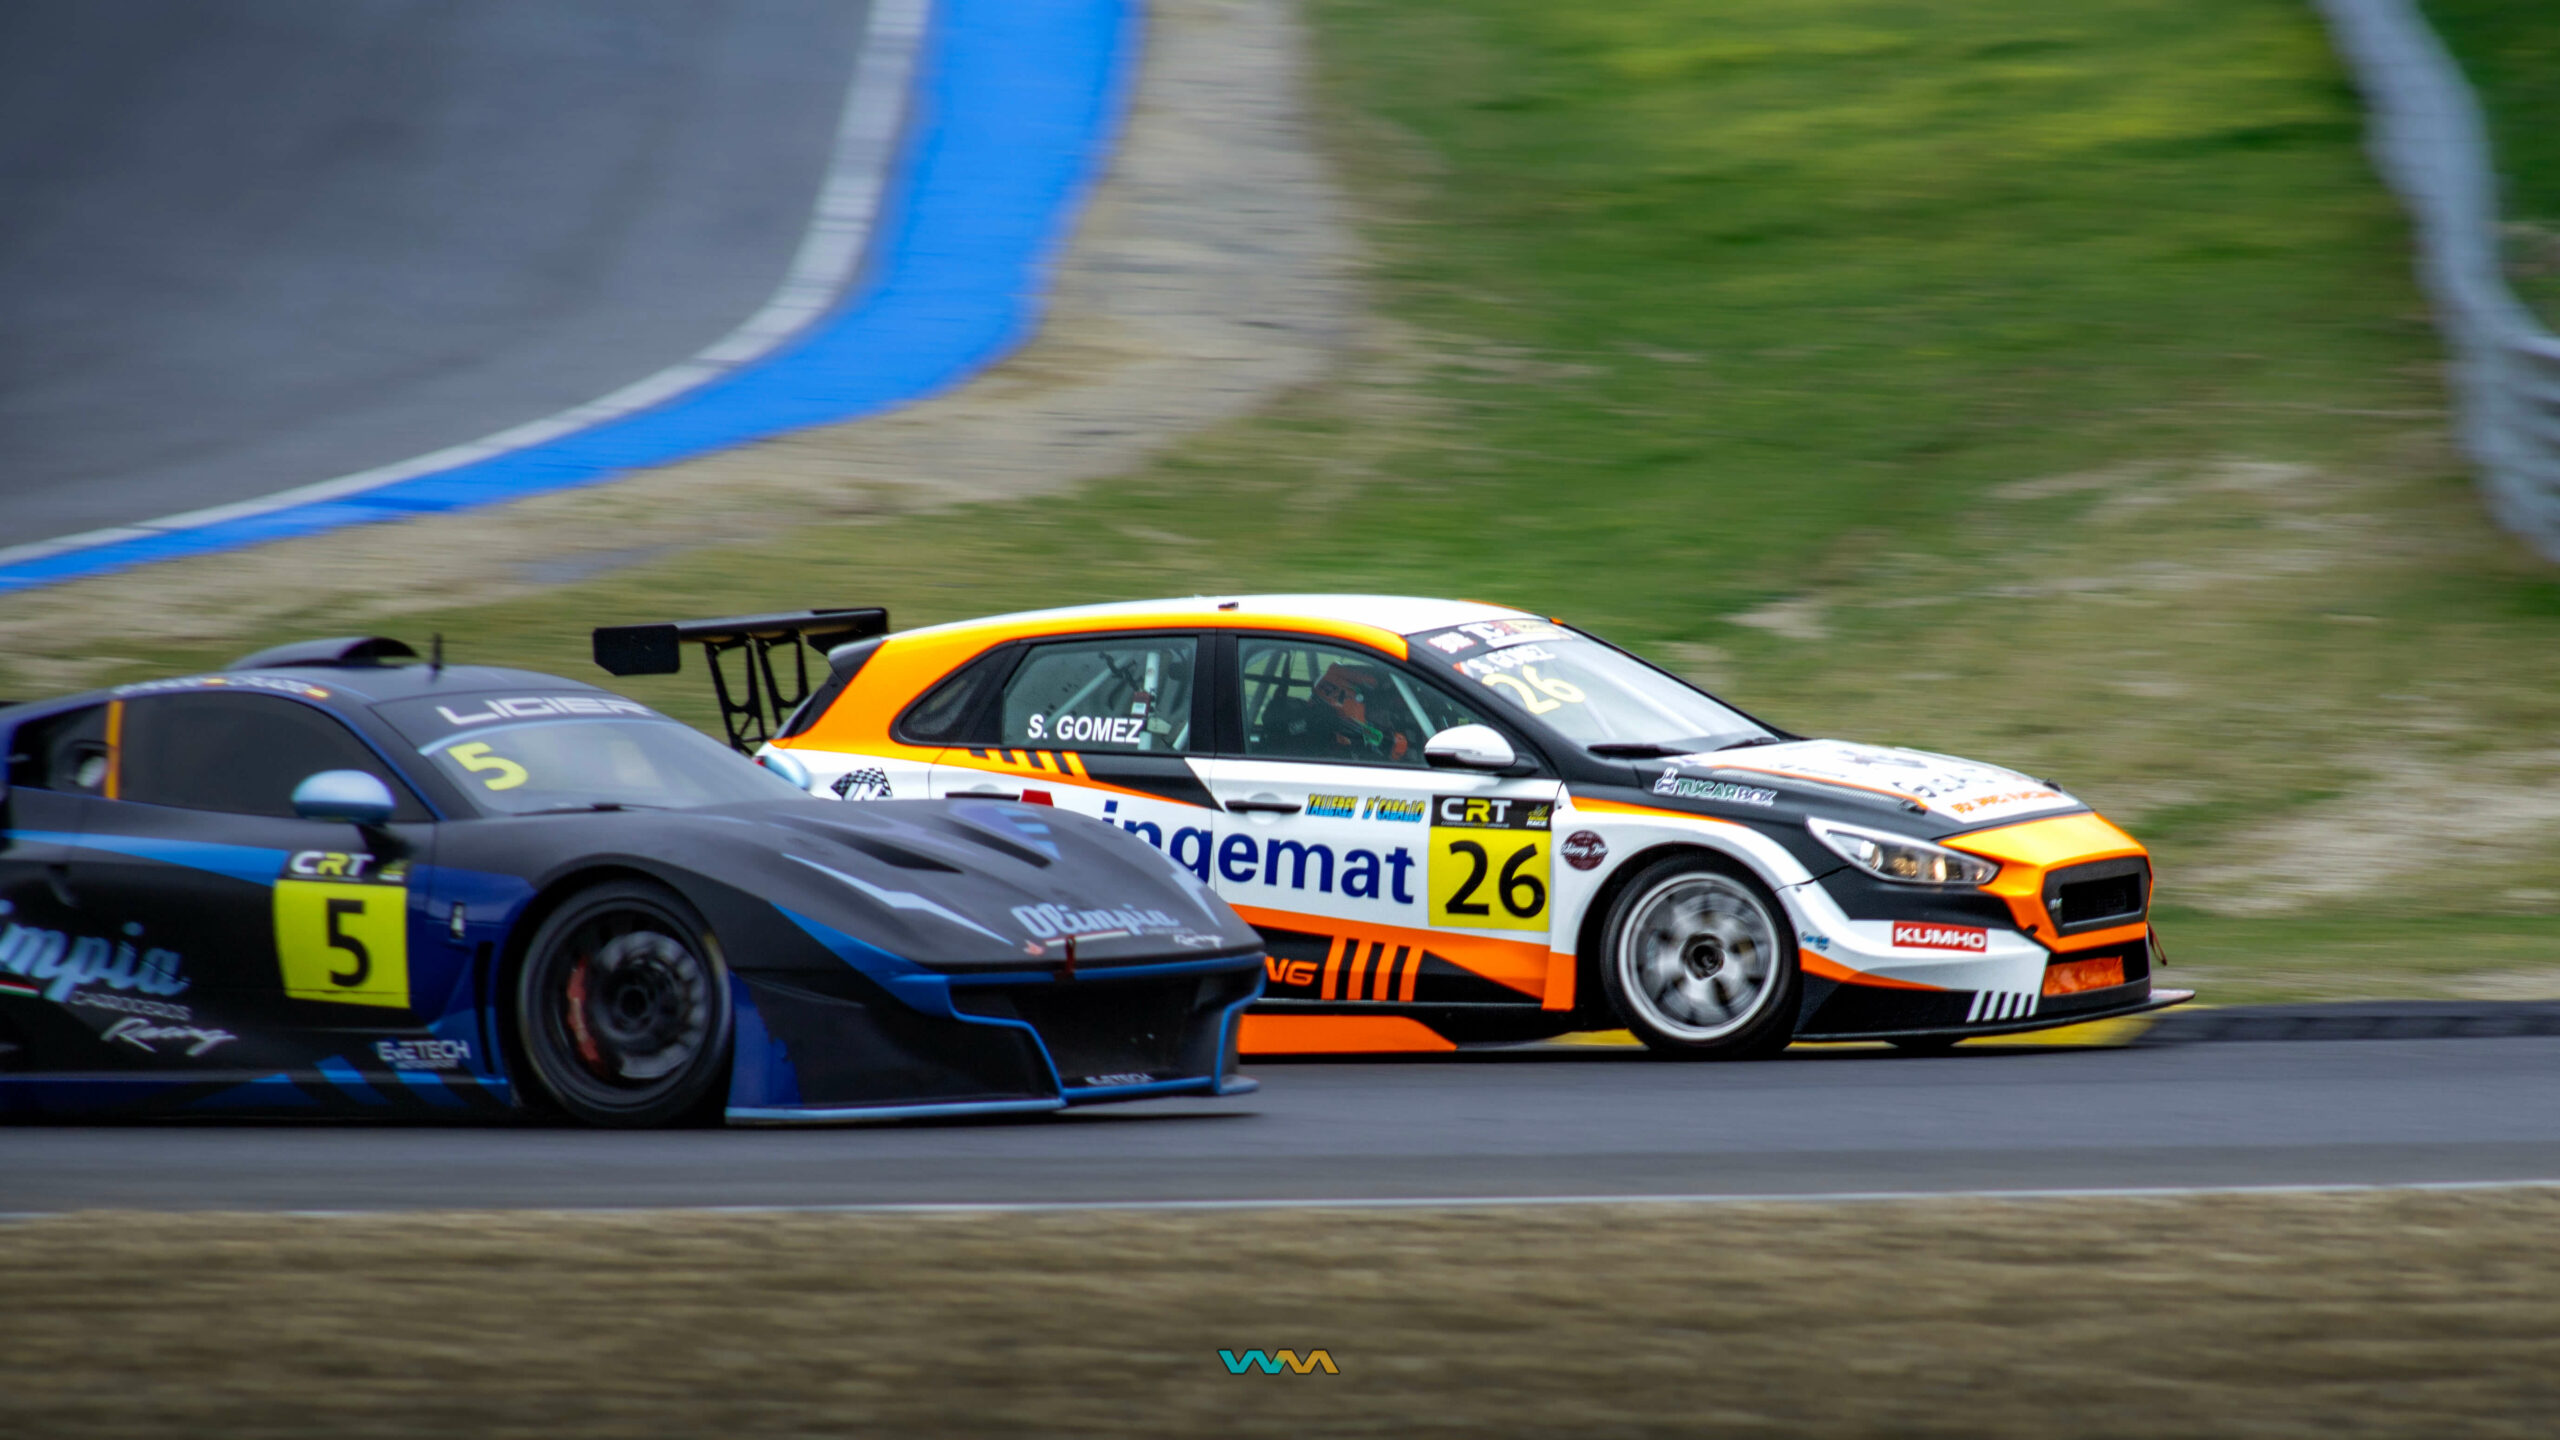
[(1586, 1123), (256, 244)]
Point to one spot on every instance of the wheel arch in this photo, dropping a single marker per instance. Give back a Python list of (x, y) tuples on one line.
[(556, 891), (1590, 996)]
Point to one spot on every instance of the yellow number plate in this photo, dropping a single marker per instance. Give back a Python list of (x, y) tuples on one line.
[(1489, 863), (344, 942)]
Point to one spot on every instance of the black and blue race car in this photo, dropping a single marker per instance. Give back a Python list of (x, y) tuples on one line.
[(333, 879)]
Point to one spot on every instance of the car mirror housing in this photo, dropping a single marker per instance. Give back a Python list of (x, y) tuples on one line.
[(1469, 747), (351, 796), (786, 765)]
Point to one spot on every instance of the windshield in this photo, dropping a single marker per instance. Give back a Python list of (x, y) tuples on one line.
[(1582, 689), (587, 764)]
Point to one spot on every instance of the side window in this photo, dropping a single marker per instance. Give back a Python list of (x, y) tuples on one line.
[(241, 754), (942, 716), (61, 752), (1131, 695), (1304, 700)]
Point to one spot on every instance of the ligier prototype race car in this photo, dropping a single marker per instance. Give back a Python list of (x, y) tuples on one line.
[(1456, 824), (322, 881)]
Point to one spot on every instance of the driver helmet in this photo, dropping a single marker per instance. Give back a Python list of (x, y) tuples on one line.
[(1344, 689)]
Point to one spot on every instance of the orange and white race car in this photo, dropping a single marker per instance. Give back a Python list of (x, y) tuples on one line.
[(1457, 824)]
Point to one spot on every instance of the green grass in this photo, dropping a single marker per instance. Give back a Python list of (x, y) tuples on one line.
[(2511, 51), (2270, 1317), (2040, 383)]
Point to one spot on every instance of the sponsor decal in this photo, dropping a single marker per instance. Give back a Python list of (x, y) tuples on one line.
[(1361, 874), (423, 1054), (1945, 783), (1367, 807), (1091, 729), (1296, 973), (1389, 808), (1501, 660), (2031, 797), (224, 682), (127, 1005), (1489, 862), (1117, 1077), (1480, 812), (1928, 936), (62, 963), (536, 707), (145, 1036), (1241, 859), (1689, 787), (870, 784), (1818, 942), (1453, 643), (1057, 921), (1583, 850), (335, 865), (1512, 632)]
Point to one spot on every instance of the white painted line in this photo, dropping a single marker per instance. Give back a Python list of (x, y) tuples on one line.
[(839, 232), (1470, 1202)]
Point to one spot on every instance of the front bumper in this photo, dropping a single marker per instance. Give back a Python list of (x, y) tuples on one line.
[(1890, 962), (1010, 1043), (2150, 1000)]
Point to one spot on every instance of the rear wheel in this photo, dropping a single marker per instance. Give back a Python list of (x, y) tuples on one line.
[(623, 1009), (1700, 963)]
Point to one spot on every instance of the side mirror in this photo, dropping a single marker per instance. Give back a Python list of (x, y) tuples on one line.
[(351, 796), (786, 765), (1469, 747)]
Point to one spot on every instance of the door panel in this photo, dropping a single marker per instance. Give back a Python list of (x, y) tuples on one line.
[(1364, 899), (1126, 706), (40, 927), (1376, 879)]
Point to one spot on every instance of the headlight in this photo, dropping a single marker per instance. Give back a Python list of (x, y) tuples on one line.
[(1901, 858)]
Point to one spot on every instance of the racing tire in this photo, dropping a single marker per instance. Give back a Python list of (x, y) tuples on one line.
[(622, 1010), (1698, 960)]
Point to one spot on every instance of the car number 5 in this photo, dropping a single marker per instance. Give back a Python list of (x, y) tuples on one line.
[(497, 772), (342, 942)]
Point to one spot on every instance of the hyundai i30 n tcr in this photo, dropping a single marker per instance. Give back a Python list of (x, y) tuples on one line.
[(1455, 823), (318, 881)]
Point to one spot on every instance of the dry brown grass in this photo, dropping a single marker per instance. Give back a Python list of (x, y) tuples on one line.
[(2420, 1314)]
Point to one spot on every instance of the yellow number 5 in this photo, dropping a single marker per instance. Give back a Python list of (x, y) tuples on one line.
[(475, 757)]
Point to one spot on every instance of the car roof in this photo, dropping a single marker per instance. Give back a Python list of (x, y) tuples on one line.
[(1402, 614)]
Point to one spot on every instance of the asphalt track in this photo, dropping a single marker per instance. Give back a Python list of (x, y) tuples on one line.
[(1548, 1124), (262, 243)]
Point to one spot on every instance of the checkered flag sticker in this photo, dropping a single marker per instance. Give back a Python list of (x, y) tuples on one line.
[(863, 785)]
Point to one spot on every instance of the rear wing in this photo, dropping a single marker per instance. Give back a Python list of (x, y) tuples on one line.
[(754, 709)]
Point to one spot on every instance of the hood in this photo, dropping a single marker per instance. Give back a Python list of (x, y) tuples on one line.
[(1963, 792), (968, 884)]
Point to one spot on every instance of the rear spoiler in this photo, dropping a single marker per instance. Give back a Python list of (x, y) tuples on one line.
[(755, 710)]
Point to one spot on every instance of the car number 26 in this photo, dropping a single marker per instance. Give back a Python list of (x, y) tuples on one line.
[(1489, 862), (344, 941)]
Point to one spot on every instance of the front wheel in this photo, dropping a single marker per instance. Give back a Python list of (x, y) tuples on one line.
[(623, 1009), (1700, 963)]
